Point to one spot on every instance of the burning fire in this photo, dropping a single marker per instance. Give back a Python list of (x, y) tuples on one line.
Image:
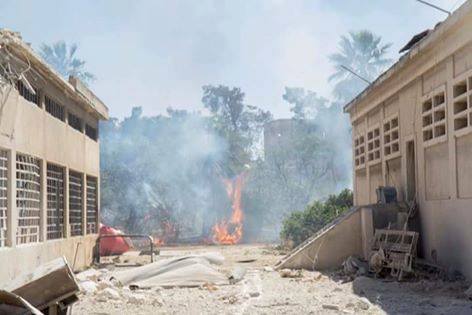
[(230, 232), (169, 233)]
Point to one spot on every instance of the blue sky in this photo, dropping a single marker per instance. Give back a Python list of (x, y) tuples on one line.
[(157, 54)]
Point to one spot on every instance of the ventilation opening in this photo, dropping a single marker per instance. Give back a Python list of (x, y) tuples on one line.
[(75, 203), (92, 206), (55, 203)]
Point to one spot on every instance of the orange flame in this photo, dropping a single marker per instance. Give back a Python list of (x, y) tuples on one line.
[(230, 232)]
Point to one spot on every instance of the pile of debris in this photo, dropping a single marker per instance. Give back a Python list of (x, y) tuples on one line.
[(53, 287)]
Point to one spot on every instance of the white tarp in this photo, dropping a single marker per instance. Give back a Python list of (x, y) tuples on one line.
[(184, 271)]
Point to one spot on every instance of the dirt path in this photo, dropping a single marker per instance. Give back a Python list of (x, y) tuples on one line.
[(264, 291)]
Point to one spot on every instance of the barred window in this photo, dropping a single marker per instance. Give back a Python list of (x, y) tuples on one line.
[(28, 198), (75, 122), (54, 108), (75, 203), (55, 201), (27, 95), (91, 132), (92, 206)]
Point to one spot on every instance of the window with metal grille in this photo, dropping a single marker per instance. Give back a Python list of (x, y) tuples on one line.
[(75, 203), (92, 206), (54, 108), (55, 203), (28, 198), (91, 132), (75, 122), (27, 95), (3, 196)]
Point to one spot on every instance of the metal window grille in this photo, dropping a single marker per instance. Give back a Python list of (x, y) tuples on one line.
[(54, 108), (3, 196), (28, 198), (27, 95), (91, 132), (92, 206), (55, 203), (75, 122), (75, 203)]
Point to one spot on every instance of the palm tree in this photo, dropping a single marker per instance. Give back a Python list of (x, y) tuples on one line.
[(363, 53), (63, 59)]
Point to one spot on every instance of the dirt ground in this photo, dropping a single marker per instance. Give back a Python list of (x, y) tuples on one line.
[(264, 291)]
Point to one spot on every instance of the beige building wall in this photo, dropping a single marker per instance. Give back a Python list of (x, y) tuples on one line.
[(29, 129), (424, 103)]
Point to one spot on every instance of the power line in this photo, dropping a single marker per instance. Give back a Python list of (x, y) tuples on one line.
[(357, 75), (434, 6)]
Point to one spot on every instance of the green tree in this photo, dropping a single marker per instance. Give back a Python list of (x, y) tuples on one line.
[(300, 225), (63, 59), (239, 123), (363, 53), (305, 104)]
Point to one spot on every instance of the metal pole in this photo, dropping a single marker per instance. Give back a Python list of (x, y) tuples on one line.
[(434, 6), (352, 71)]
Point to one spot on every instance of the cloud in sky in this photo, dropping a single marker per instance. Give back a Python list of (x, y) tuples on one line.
[(157, 54)]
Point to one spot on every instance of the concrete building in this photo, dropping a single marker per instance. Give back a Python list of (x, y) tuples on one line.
[(412, 129), (49, 163)]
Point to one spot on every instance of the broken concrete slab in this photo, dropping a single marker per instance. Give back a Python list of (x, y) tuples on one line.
[(330, 246), (47, 285)]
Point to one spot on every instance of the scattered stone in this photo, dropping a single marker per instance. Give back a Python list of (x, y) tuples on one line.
[(317, 275), (288, 273), (109, 294), (209, 286), (136, 298), (88, 286), (364, 304), (468, 293), (331, 307), (350, 305), (354, 266), (103, 284), (254, 294), (89, 274), (268, 269)]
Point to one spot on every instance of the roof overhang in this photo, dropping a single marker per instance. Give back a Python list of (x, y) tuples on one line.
[(425, 43), (74, 89)]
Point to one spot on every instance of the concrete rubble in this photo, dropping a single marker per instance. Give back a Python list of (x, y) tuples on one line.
[(264, 290)]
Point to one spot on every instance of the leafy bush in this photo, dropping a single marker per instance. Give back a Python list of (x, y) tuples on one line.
[(300, 225)]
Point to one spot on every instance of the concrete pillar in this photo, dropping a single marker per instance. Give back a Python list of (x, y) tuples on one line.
[(84, 204), (367, 166), (43, 220), (450, 130), (367, 226), (98, 204), (12, 213), (66, 203), (382, 158)]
